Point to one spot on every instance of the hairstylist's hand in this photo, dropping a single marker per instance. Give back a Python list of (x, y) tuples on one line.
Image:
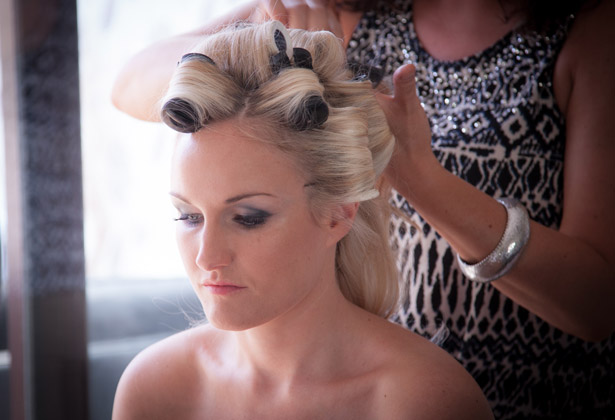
[(409, 124), (313, 15)]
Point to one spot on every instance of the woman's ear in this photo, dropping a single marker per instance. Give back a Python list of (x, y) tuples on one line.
[(341, 220)]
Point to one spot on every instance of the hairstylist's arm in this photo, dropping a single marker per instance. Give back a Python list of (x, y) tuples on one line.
[(144, 78), (565, 276)]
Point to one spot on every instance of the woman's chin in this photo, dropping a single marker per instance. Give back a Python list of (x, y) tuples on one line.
[(231, 322)]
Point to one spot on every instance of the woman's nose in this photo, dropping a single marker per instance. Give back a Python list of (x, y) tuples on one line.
[(214, 252)]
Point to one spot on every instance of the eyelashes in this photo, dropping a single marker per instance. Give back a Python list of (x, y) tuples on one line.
[(189, 219), (248, 221), (252, 220)]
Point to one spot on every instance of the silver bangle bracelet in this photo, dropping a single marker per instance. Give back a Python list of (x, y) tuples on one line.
[(508, 250)]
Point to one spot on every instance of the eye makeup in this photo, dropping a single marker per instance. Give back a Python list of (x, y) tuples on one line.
[(190, 219), (244, 215), (252, 219)]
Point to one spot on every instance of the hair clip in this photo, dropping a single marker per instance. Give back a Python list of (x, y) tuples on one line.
[(313, 114), (302, 58), (195, 56), (280, 60), (366, 72), (280, 40)]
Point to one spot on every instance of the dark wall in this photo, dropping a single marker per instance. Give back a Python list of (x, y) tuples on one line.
[(50, 379)]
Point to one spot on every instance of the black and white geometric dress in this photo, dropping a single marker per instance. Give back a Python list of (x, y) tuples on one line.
[(502, 131)]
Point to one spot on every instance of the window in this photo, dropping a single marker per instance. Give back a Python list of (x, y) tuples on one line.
[(137, 292), (136, 288)]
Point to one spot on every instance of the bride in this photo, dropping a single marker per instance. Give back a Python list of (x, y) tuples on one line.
[(283, 234)]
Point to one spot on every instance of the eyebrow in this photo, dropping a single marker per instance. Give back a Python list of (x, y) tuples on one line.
[(228, 200), (248, 195)]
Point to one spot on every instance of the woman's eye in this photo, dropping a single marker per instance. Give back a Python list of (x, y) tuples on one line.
[(190, 219), (251, 220)]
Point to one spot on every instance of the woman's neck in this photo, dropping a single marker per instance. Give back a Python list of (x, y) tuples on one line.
[(305, 344), (455, 29)]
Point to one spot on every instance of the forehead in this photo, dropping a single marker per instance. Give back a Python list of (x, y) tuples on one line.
[(228, 153)]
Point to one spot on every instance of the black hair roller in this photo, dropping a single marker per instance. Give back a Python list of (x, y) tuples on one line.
[(302, 58), (313, 114), (196, 56), (366, 72), (181, 116)]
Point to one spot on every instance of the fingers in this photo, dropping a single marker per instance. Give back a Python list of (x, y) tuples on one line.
[(404, 84), (404, 91), (274, 9), (299, 17), (312, 15)]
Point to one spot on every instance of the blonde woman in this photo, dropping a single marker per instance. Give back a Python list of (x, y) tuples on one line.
[(282, 231)]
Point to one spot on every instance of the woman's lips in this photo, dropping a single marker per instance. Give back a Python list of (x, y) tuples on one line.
[(221, 289)]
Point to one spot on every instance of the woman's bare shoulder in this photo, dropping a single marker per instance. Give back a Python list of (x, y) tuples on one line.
[(421, 380), (163, 375), (586, 57)]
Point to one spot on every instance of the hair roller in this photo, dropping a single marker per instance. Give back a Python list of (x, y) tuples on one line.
[(198, 93), (367, 72), (196, 56), (181, 116), (313, 113), (302, 58)]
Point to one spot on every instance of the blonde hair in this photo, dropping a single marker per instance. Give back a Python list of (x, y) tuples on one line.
[(330, 123)]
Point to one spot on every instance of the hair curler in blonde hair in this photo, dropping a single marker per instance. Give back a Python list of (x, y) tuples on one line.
[(292, 89)]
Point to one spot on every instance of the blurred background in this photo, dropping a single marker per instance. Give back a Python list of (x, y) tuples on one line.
[(90, 271)]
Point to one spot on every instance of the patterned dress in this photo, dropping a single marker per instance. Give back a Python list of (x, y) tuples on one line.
[(495, 124)]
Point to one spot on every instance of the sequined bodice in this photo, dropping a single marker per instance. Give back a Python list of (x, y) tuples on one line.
[(494, 118), (495, 123)]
